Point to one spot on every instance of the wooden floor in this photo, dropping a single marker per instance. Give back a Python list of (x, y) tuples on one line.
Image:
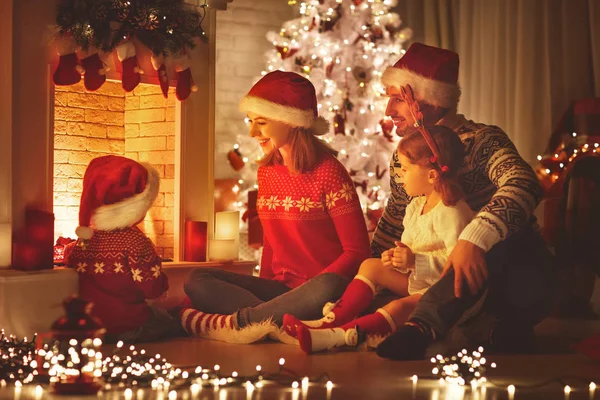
[(356, 375), (364, 375)]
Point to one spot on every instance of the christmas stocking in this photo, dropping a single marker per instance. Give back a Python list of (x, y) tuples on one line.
[(356, 298), (68, 71), (158, 62), (131, 75), (351, 334), (95, 71), (185, 82)]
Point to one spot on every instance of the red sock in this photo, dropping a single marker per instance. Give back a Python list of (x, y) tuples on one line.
[(356, 299), (378, 323), (198, 323)]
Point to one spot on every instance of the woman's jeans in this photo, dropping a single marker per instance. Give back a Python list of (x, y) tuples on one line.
[(254, 299)]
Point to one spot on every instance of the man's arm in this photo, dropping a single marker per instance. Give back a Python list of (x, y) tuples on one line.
[(390, 226), (518, 191)]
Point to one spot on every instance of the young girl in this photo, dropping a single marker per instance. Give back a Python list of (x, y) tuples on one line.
[(434, 219), (315, 236)]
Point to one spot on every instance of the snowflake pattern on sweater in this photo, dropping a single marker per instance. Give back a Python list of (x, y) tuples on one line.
[(118, 270), (312, 222), (498, 184)]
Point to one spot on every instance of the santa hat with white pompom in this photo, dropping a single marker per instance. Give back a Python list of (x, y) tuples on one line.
[(117, 193), (286, 97)]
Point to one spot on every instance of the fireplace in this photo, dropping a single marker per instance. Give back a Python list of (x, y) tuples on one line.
[(139, 125)]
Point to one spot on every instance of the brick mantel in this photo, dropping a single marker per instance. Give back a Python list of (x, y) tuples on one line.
[(27, 111)]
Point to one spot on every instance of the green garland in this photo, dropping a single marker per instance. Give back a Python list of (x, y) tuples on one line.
[(164, 26)]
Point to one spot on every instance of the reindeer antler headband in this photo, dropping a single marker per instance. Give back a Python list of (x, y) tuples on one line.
[(406, 93)]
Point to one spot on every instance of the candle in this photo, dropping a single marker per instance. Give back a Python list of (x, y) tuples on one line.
[(227, 226), (29, 257), (195, 241), (222, 250), (5, 245)]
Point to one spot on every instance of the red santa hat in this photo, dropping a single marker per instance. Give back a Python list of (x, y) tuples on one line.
[(117, 193), (286, 97), (430, 71)]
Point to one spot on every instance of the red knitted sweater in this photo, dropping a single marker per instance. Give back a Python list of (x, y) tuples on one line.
[(312, 223), (118, 271)]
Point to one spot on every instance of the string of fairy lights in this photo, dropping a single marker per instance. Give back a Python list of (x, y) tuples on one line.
[(551, 166), (129, 368)]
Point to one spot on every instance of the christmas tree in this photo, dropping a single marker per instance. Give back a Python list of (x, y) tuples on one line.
[(343, 47)]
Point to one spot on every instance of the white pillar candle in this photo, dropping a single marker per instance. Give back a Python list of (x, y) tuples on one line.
[(5, 245), (222, 250), (227, 226)]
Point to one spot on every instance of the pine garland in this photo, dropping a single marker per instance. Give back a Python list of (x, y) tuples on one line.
[(166, 27)]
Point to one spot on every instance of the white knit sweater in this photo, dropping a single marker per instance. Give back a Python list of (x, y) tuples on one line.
[(431, 237)]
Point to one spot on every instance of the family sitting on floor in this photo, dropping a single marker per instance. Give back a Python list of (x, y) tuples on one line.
[(456, 247)]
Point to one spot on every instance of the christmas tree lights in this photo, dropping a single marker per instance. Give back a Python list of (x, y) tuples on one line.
[(342, 47)]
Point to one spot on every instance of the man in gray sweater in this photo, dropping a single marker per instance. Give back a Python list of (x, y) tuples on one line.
[(499, 254)]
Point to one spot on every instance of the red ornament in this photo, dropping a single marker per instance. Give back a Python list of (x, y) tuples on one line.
[(339, 125), (286, 52), (357, 2), (329, 69), (77, 337), (376, 34), (387, 127), (235, 159)]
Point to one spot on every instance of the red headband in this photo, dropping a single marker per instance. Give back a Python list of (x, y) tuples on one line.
[(407, 95)]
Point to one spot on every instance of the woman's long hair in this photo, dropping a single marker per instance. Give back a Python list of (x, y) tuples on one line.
[(307, 151), (414, 147)]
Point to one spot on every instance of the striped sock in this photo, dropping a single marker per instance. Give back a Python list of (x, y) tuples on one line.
[(198, 323)]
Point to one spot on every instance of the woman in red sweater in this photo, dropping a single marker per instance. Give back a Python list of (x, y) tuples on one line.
[(315, 236)]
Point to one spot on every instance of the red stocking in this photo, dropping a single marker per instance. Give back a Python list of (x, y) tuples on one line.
[(95, 73), (131, 75), (163, 80), (68, 71), (185, 82)]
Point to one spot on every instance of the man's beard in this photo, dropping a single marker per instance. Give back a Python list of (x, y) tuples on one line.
[(401, 132)]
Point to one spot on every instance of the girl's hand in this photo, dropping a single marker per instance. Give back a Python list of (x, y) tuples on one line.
[(386, 258), (402, 256)]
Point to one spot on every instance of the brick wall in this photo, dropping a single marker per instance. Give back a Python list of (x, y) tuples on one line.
[(241, 44), (86, 125), (139, 125), (150, 137)]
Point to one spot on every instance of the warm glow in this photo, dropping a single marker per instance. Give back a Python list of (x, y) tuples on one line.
[(116, 128)]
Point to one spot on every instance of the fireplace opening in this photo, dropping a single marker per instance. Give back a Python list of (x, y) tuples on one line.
[(139, 125)]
